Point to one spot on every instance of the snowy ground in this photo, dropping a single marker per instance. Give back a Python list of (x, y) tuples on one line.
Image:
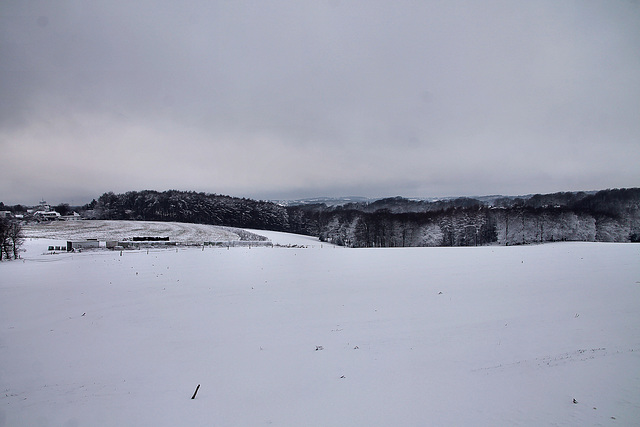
[(287, 239), (126, 230), (322, 336)]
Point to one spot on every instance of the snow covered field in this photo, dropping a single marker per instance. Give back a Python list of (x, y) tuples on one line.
[(126, 230), (322, 336)]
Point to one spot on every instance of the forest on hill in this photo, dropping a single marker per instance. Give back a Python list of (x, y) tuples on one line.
[(611, 215), (606, 216)]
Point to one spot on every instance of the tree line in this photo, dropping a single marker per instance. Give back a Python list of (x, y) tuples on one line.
[(608, 215), (189, 206), (604, 216)]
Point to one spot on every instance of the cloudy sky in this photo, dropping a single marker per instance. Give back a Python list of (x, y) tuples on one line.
[(290, 99)]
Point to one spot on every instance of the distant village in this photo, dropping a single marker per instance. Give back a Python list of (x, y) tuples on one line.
[(43, 212)]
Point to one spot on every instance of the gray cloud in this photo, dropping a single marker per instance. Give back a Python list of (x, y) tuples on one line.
[(293, 99)]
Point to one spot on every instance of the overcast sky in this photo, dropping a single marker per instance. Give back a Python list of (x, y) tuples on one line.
[(290, 99)]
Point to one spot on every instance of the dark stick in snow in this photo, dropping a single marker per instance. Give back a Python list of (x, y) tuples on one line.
[(195, 392)]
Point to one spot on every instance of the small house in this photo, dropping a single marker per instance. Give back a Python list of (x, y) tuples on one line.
[(46, 215)]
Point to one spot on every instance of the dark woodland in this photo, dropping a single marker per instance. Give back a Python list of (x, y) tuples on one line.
[(605, 216)]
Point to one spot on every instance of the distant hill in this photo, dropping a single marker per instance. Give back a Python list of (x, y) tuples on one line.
[(328, 201)]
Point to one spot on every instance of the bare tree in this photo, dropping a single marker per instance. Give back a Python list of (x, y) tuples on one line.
[(16, 237), (4, 230), (11, 238)]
